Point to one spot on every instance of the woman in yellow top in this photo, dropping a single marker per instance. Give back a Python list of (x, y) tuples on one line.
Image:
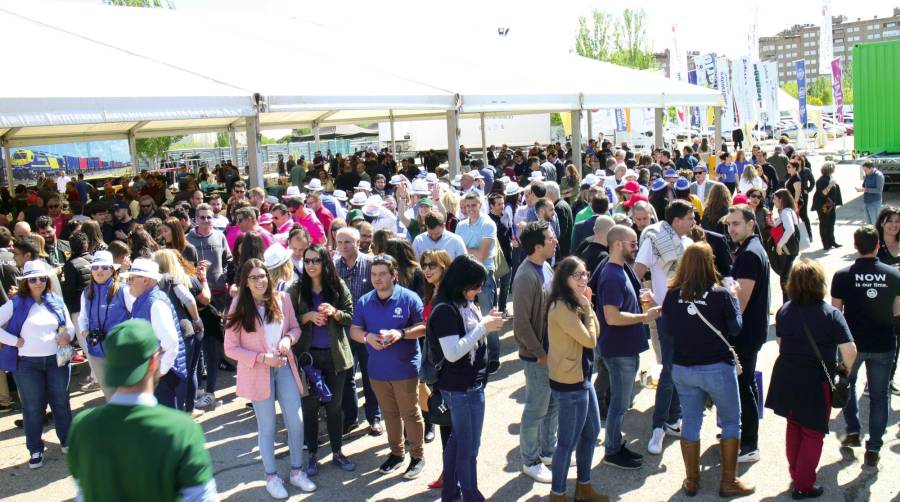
[(573, 330)]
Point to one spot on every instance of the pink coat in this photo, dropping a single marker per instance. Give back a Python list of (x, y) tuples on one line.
[(253, 381)]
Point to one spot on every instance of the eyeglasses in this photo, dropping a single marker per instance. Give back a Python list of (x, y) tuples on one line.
[(35, 280), (104, 268), (312, 261), (257, 278), (699, 172), (204, 218), (430, 265), (580, 275)]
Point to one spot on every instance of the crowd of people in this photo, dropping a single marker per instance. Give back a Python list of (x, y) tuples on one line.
[(408, 276)]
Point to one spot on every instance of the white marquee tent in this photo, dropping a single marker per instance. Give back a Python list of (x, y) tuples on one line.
[(96, 72)]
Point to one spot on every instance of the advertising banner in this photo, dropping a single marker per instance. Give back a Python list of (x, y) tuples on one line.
[(826, 47), (621, 126), (837, 89), (694, 110), (723, 80), (801, 90)]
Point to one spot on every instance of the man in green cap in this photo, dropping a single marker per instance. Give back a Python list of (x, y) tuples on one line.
[(132, 448)]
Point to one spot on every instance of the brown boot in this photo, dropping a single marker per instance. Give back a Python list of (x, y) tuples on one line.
[(731, 486), (584, 492), (558, 498), (690, 452)]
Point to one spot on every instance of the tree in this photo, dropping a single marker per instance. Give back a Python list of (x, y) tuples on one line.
[(222, 139), (153, 149), (620, 41), (818, 91)]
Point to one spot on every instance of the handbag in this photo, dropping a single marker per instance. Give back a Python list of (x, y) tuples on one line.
[(313, 378), (438, 411), (737, 362), (839, 382)]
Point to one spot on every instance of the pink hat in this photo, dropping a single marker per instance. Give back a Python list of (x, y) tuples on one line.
[(631, 187), (740, 199), (265, 219)]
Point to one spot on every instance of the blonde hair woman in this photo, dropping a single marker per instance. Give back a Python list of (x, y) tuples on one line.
[(184, 292), (750, 179)]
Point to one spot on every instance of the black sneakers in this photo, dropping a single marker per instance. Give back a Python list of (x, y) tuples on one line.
[(630, 454), (622, 460), (36, 460), (416, 466), (871, 458), (390, 465), (816, 492)]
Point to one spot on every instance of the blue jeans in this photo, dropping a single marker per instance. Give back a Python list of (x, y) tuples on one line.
[(41, 382), (284, 389), (461, 452), (487, 299), (537, 435), (878, 370), (192, 349), (579, 427), (719, 382), (622, 371), (872, 209), (350, 403), (667, 407)]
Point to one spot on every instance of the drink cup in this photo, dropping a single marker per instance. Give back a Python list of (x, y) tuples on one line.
[(644, 296)]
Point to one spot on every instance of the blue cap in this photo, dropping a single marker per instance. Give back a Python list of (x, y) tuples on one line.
[(659, 184), (121, 204), (669, 173), (700, 167), (682, 183)]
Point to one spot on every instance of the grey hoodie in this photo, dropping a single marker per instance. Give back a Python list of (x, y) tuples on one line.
[(214, 249)]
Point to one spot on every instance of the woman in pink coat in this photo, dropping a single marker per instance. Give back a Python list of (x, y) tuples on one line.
[(259, 330)]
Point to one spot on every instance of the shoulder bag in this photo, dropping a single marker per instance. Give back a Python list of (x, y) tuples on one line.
[(839, 382), (737, 361)]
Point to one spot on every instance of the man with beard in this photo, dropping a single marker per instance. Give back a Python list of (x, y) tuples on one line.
[(57, 250), (122, 224)]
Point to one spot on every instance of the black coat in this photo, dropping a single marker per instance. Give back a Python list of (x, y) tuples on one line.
[(721, 252), (819, 198), (566, 222)]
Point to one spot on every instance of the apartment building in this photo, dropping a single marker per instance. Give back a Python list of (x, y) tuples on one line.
[(802, 42)]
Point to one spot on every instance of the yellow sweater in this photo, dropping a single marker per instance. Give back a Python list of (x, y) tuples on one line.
[(569, 333)]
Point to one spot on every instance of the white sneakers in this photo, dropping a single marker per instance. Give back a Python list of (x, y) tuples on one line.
[(548, 461), (673, 429), (655, 444), (538, 472), (275, 487), (301, 481)]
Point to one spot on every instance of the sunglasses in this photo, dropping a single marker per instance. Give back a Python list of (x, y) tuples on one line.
[(204, 218), (35, 280), (104, 268), (430, 265), (756, 196), (146, 206), (312, 261)]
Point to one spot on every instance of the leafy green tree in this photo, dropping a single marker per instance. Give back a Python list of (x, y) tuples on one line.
[(622, 41), (222, 139), (153, 149), (818, 91)]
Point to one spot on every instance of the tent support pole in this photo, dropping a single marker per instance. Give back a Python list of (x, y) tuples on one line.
[(393, 139), (717, 129), (132, 150), (232, 141), (576, 139), (658, 126), (253, 154), (316, 133), (590, 126), (7, 163), (484, 147), (453, 142)]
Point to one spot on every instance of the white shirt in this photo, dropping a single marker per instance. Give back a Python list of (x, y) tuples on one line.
[(219, 222), (658, 278), (39, 330), (61, 182), (701, 191), (273, 330), (162, 321), (744, 186)]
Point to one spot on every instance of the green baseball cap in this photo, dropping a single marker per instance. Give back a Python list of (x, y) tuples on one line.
[(425, 201), (354, 215), (128, 348)]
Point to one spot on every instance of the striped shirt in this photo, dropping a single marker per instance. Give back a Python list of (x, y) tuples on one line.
[(358, 278)]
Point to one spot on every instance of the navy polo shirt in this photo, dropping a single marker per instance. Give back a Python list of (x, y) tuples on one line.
[(868, 288), (751, 262), (401, 310), (619, 288)]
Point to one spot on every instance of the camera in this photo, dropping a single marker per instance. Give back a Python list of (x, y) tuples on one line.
[(95, 338)]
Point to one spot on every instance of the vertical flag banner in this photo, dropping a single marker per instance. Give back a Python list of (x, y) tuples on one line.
[(826, 45), (723, 81), (770, 92), (753, 36), (677, 59), (620, 120), (706, 70), (801, 90), (694, 110), (837, 89)]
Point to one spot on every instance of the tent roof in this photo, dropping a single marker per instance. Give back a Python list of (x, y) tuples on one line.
[(171, 72)]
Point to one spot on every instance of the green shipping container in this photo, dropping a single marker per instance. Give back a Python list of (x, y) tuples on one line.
[(876, 97)]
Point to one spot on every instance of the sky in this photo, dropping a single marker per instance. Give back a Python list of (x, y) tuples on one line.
[(702, 24)]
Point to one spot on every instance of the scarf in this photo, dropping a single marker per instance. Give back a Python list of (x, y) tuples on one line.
[(666, 244)]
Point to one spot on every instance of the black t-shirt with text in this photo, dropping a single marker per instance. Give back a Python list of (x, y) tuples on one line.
[(868, 289)]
